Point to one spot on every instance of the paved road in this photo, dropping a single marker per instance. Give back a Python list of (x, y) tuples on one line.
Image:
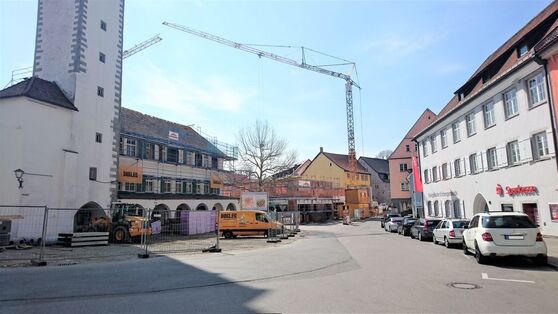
[(334, 268)]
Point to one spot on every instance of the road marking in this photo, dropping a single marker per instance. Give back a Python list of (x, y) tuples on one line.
[(485, 276)]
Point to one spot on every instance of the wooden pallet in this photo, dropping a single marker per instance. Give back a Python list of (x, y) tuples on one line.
[(83, 239)]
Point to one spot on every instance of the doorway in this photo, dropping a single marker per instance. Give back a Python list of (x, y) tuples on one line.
[(531, 210)]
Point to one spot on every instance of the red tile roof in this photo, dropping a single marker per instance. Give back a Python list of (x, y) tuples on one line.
[(343, 161), (549, 12), (425, 119)]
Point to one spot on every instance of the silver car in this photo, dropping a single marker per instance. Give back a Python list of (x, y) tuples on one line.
[(393, 223), (449, 232)]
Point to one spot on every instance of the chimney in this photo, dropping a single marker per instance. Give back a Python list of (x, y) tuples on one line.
[(321, 149)]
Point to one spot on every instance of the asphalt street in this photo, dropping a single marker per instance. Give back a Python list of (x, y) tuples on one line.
[(333, 268)]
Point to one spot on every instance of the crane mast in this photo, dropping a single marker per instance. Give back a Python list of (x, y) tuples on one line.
[(349, 83)]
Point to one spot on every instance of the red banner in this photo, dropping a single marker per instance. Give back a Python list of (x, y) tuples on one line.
[(416, 175)]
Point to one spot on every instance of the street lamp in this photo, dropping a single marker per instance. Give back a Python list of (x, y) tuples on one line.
[(19, 176)]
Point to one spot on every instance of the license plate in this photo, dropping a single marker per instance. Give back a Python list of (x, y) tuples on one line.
[(514, 237)]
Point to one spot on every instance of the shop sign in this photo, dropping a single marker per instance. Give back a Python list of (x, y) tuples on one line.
[(130, 174), (442, 194), (304, 184), (173, 136), (216, 182), (254, 201), (512, 191)]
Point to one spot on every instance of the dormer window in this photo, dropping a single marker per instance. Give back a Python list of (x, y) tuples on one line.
[(523, 49)]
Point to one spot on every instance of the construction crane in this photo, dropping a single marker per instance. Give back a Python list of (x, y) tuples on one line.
[(349, 83), (139, 47), (23, 73)]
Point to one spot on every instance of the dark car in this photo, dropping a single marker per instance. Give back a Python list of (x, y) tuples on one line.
[(422, 228), (387, 216), (405, 227)]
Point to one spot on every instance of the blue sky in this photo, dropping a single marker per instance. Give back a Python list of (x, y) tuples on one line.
[(410, 55)]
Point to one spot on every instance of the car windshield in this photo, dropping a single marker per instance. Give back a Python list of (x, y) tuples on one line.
[(432, 222), (459, 223), (410, 221), (396, 219), (507, 222)]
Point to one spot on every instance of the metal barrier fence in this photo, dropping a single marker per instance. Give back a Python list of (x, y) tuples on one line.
[(181, 231)]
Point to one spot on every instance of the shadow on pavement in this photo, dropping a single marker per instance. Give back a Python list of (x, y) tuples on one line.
[(154, 285)]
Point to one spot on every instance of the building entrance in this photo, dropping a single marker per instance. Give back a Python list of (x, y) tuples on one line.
[(531, 210)]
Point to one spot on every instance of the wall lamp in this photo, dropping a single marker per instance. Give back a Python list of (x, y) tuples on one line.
[(19, 176)]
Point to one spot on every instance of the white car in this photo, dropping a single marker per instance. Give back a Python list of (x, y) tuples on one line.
[(504, 234), (449, 232), (393, 223)]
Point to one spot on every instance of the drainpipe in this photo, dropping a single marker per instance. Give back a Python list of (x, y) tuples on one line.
[(550, 102)]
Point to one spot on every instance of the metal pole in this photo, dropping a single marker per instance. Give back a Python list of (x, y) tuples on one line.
[(145, 254), (41, 261)]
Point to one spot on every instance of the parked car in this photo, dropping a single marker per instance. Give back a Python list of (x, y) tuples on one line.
[(388, 215), (449, 232), (393, 223), (504, 234), (422, 229), (405, 226)]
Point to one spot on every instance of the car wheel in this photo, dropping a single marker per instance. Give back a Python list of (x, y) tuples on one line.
[(541, 260), (228, 235), (465, 249), (120, 234), (481, 259), (420, 236), (412, 235), (446, 243)]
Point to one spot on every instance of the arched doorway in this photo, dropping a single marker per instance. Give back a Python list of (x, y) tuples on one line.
[(447, 209), (429, 205), (161, 212), (217, 207), (480, 205), (91, 218), (201, 206), (231, 206), (456, 209)]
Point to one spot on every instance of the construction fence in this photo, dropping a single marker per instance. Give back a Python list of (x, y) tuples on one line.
[(63, 236)]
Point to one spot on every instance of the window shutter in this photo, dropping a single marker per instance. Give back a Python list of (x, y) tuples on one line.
[(502, 156), (156, 152), (534, 150), (164, 153), (481, 157), (464, 166), (525, 152)]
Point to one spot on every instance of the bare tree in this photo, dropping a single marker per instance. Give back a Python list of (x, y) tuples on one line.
[(263, 153), (384, 154)]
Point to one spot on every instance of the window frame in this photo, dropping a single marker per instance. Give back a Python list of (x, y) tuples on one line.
[(490, 113), (102, 57), (103, 25), (510, 153), (100, 91), (473, 163), (435, 177), (510, 101), (457, 167), (492, 163), (445, 172), (444, 138), (93, 173), (535, 146), (470, 124), (533, 104), (433, 146), (456, 130), (98, 137)]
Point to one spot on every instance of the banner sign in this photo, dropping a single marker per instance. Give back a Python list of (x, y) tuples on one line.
[(130, 174), (553, 211), (173, 136), (254, 201), (511, 191), (216, 182)]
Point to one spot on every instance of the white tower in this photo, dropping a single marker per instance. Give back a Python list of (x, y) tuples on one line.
[(79, 47)]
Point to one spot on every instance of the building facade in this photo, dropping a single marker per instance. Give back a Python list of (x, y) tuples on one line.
[(400, 164), (334, 168), (379, 178), (492, 147), (168, 166), (61, 125)]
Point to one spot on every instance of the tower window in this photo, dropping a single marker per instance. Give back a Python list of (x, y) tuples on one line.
[(98, 137), (102, 57), (100, 91), (93, 173), (104, 25)]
